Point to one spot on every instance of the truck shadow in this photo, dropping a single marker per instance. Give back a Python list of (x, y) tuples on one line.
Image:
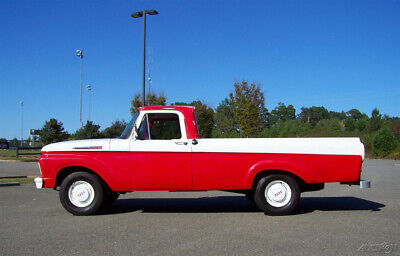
[(226, 204), (345, 203)]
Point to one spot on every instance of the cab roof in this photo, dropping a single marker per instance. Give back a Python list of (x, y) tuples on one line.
[(190, 118), (178, 108)]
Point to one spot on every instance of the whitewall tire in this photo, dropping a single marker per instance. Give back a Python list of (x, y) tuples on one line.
[(81, 193), (277, 194)]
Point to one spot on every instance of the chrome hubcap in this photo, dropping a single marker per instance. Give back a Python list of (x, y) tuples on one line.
[(81, 193), (278, 193)]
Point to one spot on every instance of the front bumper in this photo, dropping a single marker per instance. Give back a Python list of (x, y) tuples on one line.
[(39, 182)]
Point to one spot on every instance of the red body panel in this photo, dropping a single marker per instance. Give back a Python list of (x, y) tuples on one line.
[(112, 167), (227, 171), (128, 171), (161, 171)]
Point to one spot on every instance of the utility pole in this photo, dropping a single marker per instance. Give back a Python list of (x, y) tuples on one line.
[(22, 122), (138, 15), (79, 53)]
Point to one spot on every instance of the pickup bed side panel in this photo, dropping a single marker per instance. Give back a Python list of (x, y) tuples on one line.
[(229, 171)]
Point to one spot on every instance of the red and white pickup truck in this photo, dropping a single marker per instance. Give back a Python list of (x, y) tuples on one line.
[(160, 149)]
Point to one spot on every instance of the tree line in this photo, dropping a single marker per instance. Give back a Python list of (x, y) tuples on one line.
[(243, 114)]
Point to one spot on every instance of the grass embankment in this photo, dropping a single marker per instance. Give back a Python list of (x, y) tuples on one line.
[(10, 154)]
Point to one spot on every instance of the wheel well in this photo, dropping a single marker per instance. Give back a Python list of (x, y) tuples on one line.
[(303, 185), (64, 172)]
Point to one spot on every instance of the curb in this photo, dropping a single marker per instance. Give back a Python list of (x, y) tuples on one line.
[(9, 184)]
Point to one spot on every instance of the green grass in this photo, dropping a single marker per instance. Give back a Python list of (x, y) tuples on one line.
[(20, 180)]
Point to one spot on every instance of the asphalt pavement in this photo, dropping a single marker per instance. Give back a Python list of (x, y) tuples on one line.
[(16, 168), (340, 220)]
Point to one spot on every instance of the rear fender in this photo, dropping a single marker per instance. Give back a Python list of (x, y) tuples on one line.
[(270, 165)]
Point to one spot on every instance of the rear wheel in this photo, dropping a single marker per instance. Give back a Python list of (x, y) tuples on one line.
[(277, 194), (81, 193)]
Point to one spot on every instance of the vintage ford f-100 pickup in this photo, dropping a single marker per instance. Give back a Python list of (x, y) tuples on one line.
[(160, 149)]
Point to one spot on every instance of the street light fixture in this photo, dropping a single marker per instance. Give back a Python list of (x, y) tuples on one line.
[(138, 15), (89, 88), (79, 53)]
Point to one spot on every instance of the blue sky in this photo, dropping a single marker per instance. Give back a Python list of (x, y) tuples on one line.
[(339, 54)]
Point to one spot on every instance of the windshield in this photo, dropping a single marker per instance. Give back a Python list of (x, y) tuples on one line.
[(128, 130)]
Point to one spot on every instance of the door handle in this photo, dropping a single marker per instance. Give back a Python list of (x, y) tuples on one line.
[(180, 143)]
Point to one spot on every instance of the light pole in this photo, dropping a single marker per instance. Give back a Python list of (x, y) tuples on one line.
[(79, 53), (22, 122), (89, 88), (138, 15), (149, 78)]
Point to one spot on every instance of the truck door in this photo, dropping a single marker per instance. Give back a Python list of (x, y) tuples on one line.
[(160, 152)]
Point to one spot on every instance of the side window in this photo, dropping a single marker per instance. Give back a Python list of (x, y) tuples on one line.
[(164, 126), (143, 131)]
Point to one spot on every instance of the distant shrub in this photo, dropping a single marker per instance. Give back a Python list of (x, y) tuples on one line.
[(384, 142), (328, 125), (375, 122), (395, 128), (362, 124), (350, 124), (395, 154)]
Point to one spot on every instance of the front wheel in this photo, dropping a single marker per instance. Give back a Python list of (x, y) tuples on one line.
[(81, 193), (277, 194)]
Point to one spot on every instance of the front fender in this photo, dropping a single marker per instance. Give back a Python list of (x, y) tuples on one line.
[(53, 163)]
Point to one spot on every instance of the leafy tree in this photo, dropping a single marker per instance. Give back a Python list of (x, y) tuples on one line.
[(355, 114), (338, 115), (350, 124), (89, 131), (247, 102), (313, 115), (225, 125), (362, 124), (151, 100), (375, 122), (3, 140), (204, 117), (282, 113), (328, 125), (385, 117), (52, 131), (14, 143), (384, 141), (395, 129), (115, 130), (290, 128)]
